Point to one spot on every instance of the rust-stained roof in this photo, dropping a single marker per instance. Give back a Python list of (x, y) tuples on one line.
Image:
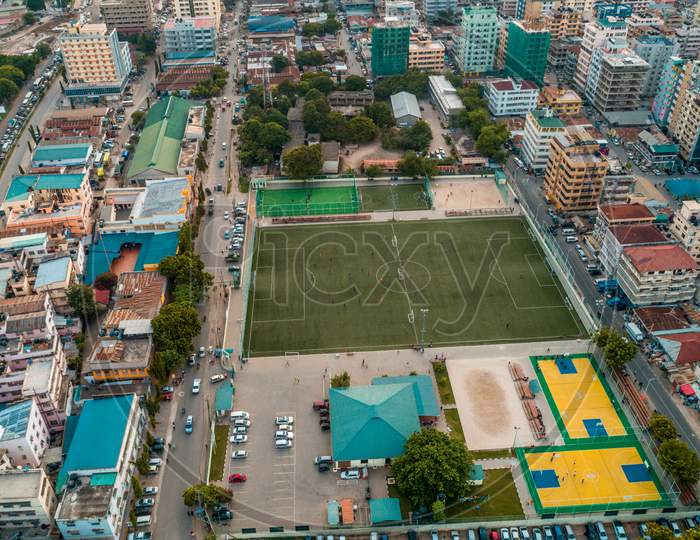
[(141, 292), (660, 258), (626, 211), (23, 304)]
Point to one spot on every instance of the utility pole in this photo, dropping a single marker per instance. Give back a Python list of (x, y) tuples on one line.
[(424, 313)]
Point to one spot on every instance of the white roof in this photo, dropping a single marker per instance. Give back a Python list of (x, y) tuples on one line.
[(405, 104)]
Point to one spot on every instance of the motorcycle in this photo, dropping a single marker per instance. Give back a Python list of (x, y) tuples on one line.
[(182, 411)]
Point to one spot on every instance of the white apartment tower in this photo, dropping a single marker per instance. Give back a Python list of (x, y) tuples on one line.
[(595, 34)]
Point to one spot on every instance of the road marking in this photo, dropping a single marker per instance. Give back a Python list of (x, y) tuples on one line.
[(282, 498)]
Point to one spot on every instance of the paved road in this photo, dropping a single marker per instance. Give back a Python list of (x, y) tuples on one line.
[(354, 65), (652, 379), (186, 463)]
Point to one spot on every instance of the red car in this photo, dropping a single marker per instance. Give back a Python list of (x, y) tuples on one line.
[(237, 478), (320, 404)]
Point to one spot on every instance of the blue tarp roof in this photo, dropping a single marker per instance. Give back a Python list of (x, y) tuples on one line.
[(333, 511), (155, 246), (384, 510), (224, 396)]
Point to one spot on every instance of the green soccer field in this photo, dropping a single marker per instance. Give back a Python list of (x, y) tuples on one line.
[(370, 287), (399, 197)]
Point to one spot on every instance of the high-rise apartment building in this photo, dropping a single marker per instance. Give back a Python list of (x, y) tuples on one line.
[(198, 8), (684, 120), (540, 126), (688, 39), (526, 52), (403, 10), (594, 35), (127, 16), (562, 23), (615, 77), (476, 48), (655, 50), (97, 63), (190, 36), (667, 92), (390, 42), (432, 8), (575, 171)]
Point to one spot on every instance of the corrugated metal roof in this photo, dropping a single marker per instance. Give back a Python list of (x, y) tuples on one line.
[(372, 421), (21, 185), (384, 510), (159, 145), (426, 401), (405, 104)]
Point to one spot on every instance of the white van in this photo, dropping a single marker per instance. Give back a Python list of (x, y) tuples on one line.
[(195, 386), (143, 521), (569, 232), (240, 415), (571, 239)]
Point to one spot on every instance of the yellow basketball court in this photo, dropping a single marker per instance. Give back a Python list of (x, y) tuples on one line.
[(577, 476), (580, 401)]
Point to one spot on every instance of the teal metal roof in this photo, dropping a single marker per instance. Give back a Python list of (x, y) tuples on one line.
[(372, 421), (14, 420), (12, 243), (98, 436), (223, 401), (426, 401), (21, 185), (333, 512), (155, 246), (52, 272), (383, 510), (62, 152)]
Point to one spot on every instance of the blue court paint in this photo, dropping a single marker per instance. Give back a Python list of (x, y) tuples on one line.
[(595, 427), (636, 473), (565, 365), (545, 479)]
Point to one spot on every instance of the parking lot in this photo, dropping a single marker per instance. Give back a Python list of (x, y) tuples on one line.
[(284, 486)]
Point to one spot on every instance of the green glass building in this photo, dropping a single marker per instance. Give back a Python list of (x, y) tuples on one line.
[(526, 52), (390, 49)]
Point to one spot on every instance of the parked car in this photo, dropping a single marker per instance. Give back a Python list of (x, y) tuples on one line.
[(239, 454), (284, 434), (283, 443), (241, 430), (537, 534), (217, 378), (240, 414), (619, 530), (350, 474), (238, 439), (145, 502), (322, 459), (600, 530), (242, 422), (237, 478), (504, 533), (154, 461), (150, 490), (284, 420)]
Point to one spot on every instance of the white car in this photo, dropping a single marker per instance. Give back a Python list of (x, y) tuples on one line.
[(217, 378), (241, 422), (202, 352), (240, 430), (150, 490), (240, 414), (285, 427), (238, 439), (283, 443), (284, 434), (350, 474), (239, 454), (280, 420), (196, 384)]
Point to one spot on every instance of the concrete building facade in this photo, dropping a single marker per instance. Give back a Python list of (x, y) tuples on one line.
[(540, 126), (575, 171), (686, 227), (615, 78), (425, 54), (27, 500), (127, 16), (189, 36), (198, 8), (655, 50), (476, 48), (97, 63), (510, 97), (595, 34)]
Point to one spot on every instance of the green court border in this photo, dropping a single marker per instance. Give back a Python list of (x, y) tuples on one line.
[(612, 442), (557, 413)]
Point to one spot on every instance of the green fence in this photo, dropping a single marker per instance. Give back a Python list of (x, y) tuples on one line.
[(428, 191), (307, 201)]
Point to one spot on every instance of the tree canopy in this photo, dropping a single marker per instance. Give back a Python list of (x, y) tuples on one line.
[(617, 349), (340, 380), (662, 428), (413, 81), (304, 161), (209, 494), (415, 166), (186, 273), (417, 137), (433, 465), (82, 300), (355, 83), (680, 461), (278, 62), (174, 328)]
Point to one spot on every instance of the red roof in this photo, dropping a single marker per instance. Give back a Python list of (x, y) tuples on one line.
[(660, 258), (625, 211), (637, 234), (659, 318), (689, 350), (509, 85)]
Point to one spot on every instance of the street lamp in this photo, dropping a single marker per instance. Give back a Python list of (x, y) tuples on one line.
[(424, 313)]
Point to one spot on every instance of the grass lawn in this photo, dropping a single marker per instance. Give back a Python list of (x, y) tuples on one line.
[(399, 197), (490, 454), (444, 385), (452, 417), (218, 458), (502, 498), (403, 501), (346, 287)]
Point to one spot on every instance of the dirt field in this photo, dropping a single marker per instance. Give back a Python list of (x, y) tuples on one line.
[(468, 195), (489, 407)]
